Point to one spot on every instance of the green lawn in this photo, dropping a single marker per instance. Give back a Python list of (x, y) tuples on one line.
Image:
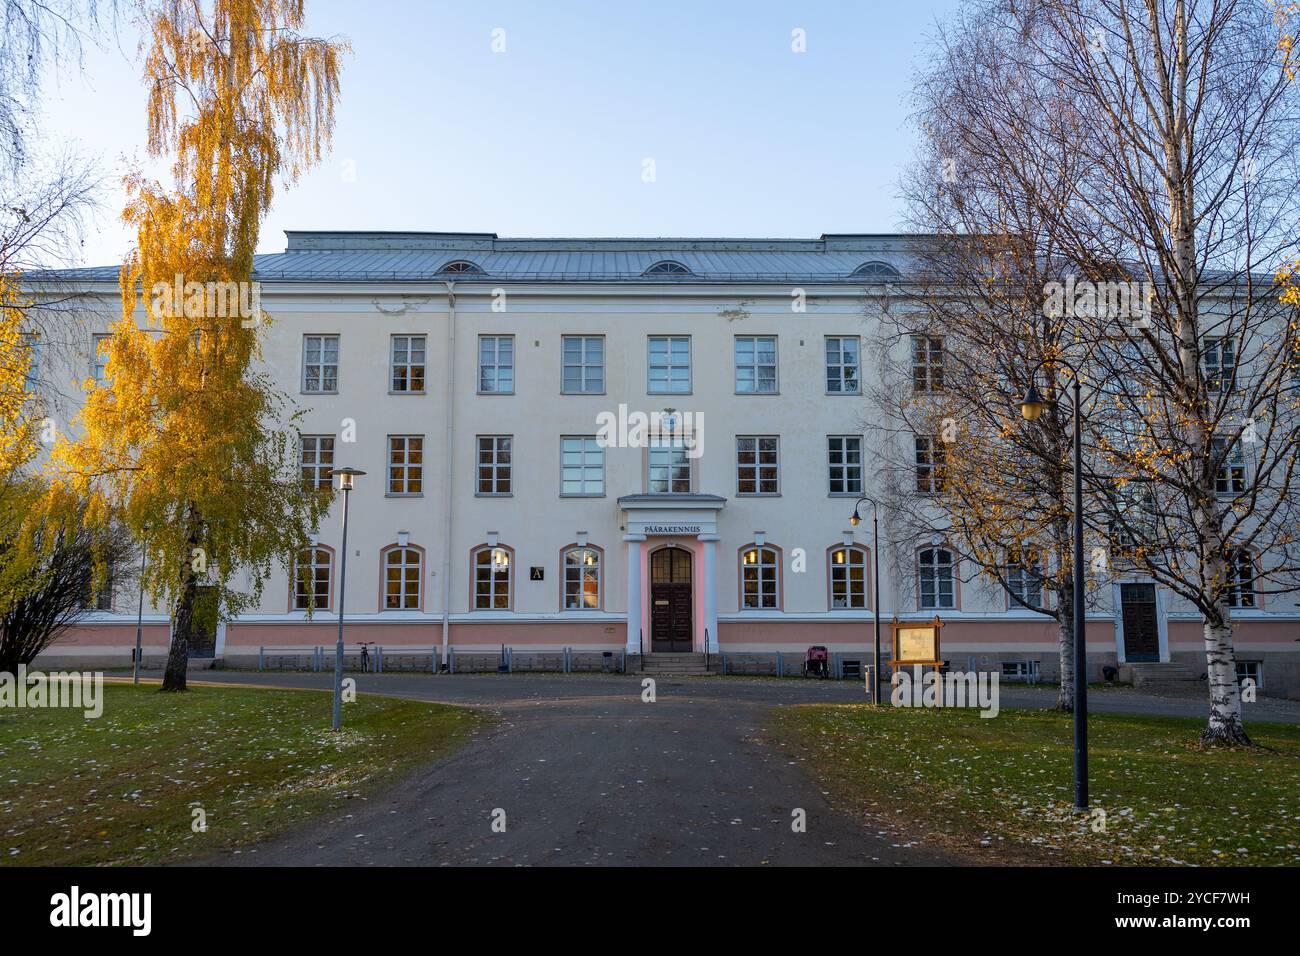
[(1002, 788), (121, 789)]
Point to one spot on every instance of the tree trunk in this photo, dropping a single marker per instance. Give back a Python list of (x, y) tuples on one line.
[(1225, 726), (1065, 697), (178, 656)]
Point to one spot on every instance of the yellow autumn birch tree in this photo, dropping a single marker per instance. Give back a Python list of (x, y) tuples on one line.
[(186, 443)]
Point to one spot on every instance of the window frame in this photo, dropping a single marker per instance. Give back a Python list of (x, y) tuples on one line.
[(847, 568), (323, 339), (509, 574), (670, 367), (760, 566), (495, 465), (672, 443), (845, 465), (1221, 374), (757, 466), (406, 466), (404, 578), (408, 365), (317, 466), (936, 549), (295, 580), (582, 571), (755, 366), (583, 365), (496, 365), (931, 467), (583, 467), (928, 360), (840, 364)]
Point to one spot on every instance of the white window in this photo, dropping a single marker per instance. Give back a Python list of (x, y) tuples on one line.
[(670, 364), (927, 363), (316, 460), (492, 569), (756, 465), (1230, 475), (496, 364), (320, 363), (402, 579), (930, 455), (1020, 671), (583, 369), (1251, 671), (842, 365), (1241, 578), (755, 364), (1024, 579), (99, 358), (844, 460), (936, 579), (494, 464), (405, 464), (407, 372), (582, 465), (1220, 364), (848, 577), (760, 569), (670, 468), (311, 580), (581, 579), (32, 342)]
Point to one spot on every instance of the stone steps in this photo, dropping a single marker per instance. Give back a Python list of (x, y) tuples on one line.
[(1167, 677), (675, 664)]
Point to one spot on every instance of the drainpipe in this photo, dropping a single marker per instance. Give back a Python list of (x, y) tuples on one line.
[(449, 444)]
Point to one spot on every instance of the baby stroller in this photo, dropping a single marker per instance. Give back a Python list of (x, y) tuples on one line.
[(817, 661)]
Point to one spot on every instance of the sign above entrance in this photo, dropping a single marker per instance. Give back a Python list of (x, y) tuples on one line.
[(673, 529)]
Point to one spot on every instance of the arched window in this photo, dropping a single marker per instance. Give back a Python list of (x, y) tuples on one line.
[(760, 578), (582, 579), (877, 271), (668, 267), (493, 565), (311, 579), (402, 578), (848, 577), (461, 267), (937, 589), (1241, 578)]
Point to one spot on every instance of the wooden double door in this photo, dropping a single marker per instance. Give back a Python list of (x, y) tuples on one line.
[(671, 601)]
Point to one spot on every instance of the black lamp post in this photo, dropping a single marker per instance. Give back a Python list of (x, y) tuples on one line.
[(875, 569), (346, 479), (1031, 407)]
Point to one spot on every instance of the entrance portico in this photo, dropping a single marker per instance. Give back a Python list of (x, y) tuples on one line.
[(672, 563)]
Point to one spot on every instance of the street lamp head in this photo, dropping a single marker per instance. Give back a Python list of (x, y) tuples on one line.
[(346, 477), (1032, 405), (856, 519)]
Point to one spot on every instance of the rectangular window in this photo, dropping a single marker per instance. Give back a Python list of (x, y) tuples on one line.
[(496, 364), (33, 343), (407, 363), (99, 357), (1230, 478), (1241, 578), (670, 364), (1024, 580), (929, 465), (670, 468), (320, 363), (927, 363), (756, 364), (494, 464), (582, 465), (311, 580), (1251, 671), (1220, 364), (756, 465), (842, 364), (405, 464), (844, 458), (316, 460), (583, 359)]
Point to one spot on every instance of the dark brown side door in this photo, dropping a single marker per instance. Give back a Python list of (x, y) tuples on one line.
[(1141, 633), (670, 601)]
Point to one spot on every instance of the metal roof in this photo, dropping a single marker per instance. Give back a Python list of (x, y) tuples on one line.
[(420, 256)]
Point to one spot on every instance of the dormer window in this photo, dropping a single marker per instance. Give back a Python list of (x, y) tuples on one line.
[(877, 271), (461, 267), (668, 267)]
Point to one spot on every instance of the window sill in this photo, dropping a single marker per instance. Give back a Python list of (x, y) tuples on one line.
[(413, 494), (406, 392)]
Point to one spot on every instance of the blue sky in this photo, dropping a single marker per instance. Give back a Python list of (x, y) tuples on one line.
[(436, 131)]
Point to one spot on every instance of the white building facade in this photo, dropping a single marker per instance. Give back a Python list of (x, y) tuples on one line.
[(494, 391)]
